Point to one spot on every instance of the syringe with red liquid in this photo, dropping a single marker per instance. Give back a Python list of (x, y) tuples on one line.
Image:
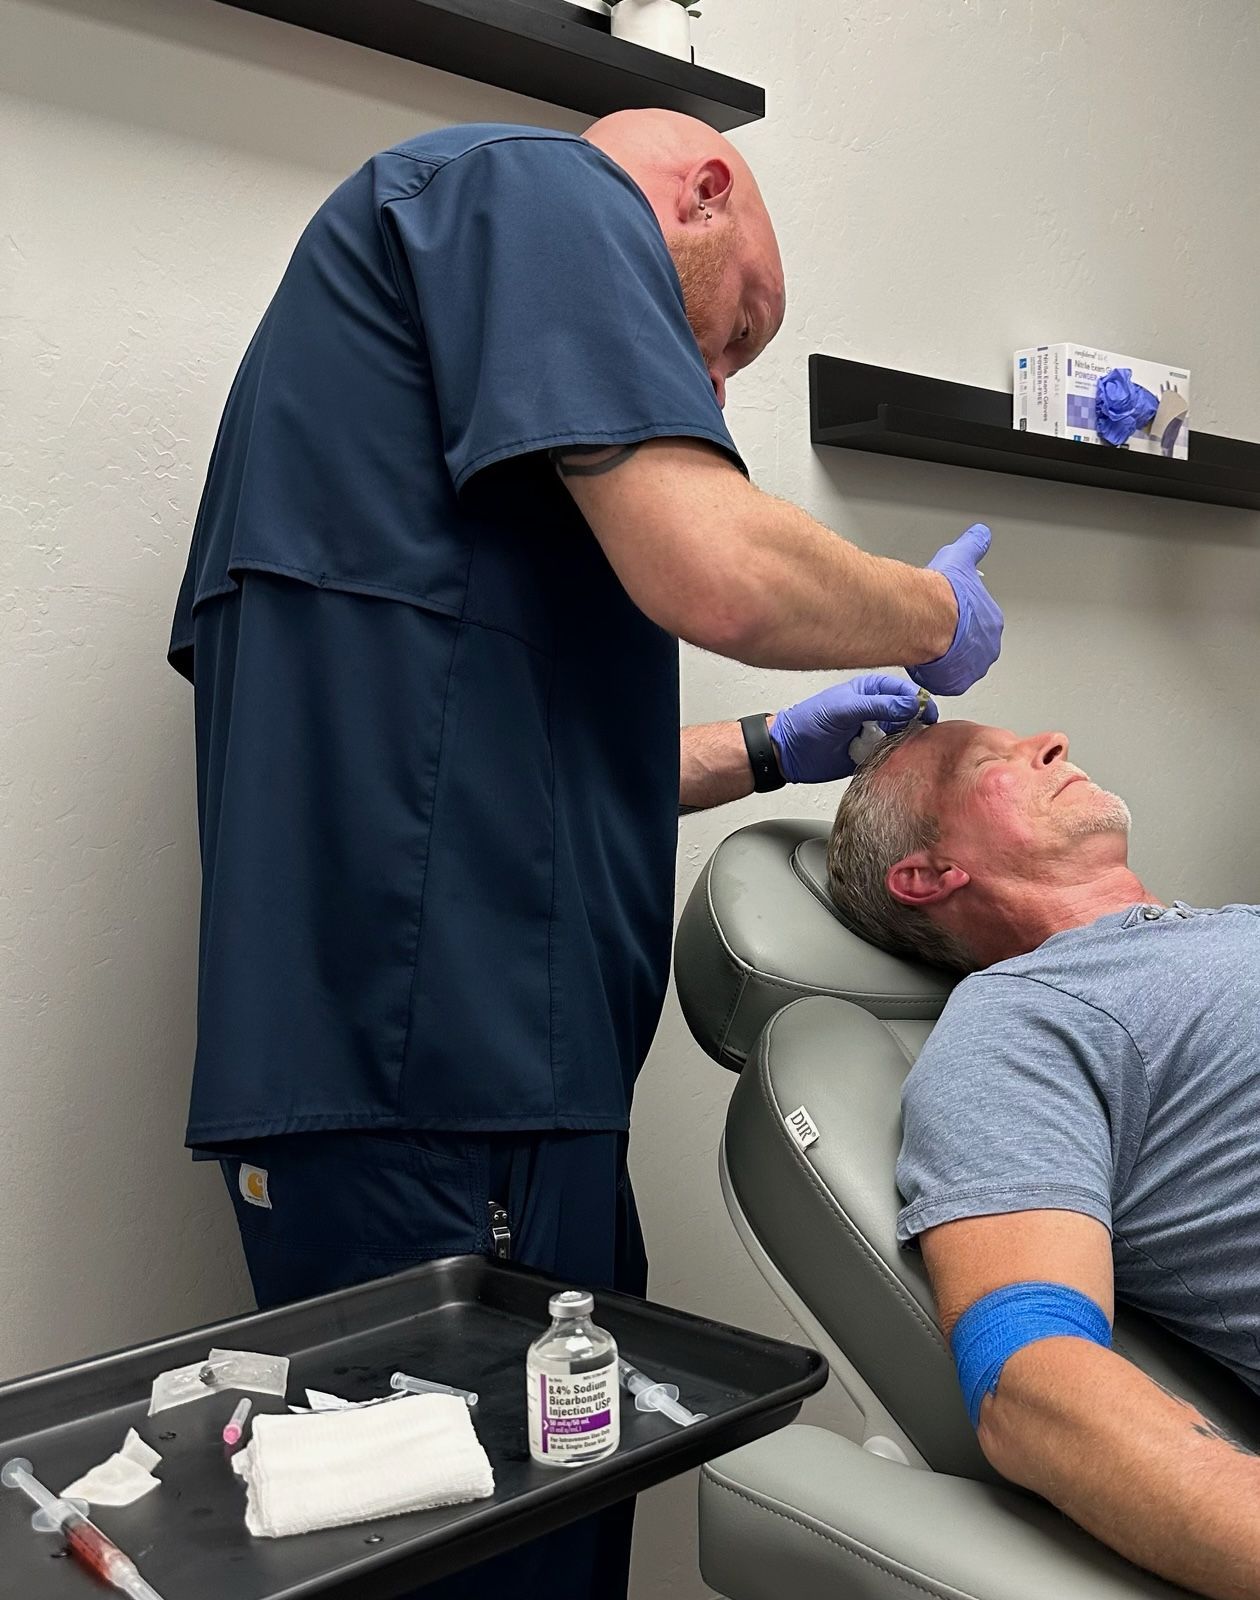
[(86, 1542)]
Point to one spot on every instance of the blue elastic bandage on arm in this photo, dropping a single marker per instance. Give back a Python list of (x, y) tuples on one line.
[(989, 1333)]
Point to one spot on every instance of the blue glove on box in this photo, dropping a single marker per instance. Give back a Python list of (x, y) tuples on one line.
[(978, 636), (812, 738)]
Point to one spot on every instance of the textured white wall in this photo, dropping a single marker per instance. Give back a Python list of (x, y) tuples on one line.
[(950, 181)]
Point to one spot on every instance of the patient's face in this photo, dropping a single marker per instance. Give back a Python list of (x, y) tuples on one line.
[(1005, 800)]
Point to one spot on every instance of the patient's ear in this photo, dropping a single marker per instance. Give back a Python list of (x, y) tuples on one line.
[(919, 881)]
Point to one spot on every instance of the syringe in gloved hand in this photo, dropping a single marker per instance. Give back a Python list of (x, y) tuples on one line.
[(652, 1396), (872, 735)]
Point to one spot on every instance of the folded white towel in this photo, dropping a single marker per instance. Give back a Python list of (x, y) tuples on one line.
[(335, 1467)]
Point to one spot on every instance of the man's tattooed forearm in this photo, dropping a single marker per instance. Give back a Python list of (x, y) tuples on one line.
[(590, 460)]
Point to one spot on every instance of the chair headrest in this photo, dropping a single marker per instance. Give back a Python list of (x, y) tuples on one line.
[(759, 930)]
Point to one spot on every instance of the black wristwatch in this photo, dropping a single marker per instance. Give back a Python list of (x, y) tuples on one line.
[(762, 757)]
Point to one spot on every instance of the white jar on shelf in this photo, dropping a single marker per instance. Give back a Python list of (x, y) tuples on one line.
[(662, 25)]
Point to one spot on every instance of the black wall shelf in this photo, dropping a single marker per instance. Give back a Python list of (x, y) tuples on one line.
[(553, 51), (860, 407)]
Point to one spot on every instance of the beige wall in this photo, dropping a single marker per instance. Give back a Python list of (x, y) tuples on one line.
[(950, 181)]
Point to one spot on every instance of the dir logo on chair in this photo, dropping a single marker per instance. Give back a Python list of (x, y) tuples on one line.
[(800, 1125)]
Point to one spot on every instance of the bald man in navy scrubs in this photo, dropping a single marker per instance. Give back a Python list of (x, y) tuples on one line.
[(471, 486)]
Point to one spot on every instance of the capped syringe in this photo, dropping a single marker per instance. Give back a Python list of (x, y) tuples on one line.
[(404, 1383), (94, 1549), (652, 1396)]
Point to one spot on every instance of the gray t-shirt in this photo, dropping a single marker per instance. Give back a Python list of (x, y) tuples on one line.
[(1114, 1071)]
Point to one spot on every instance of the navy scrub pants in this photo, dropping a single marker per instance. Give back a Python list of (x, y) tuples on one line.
[(348, 1207)]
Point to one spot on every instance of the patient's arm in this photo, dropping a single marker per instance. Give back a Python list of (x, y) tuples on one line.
[(1084, 1428)]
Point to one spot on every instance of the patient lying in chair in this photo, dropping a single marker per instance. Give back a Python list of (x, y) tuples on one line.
[(1083, 1121)]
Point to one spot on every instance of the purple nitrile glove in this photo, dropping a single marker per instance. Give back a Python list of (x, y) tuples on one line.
[(978, 636), (812, 738), (1121, 406)]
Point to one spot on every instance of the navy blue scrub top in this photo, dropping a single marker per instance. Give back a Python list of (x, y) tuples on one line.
[(437, 744)]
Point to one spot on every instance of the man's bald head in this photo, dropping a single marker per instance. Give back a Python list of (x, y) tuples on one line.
[(716, 225)]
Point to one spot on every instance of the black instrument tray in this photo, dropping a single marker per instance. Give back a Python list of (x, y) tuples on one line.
[(466, 1320)]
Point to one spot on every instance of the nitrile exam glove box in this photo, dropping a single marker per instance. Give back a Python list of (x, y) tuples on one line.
[(1056, 388)]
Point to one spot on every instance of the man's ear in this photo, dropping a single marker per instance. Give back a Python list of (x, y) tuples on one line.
[(707, 187), (918, 881)]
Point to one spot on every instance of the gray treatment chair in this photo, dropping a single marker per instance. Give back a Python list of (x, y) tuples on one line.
[(818, 1022)]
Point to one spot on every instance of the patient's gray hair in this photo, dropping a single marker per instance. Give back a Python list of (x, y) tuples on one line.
[(878, 823)]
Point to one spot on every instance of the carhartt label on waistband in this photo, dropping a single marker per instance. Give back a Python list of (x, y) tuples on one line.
[(253, 1184)]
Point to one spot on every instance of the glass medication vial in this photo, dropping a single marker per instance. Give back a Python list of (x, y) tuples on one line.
[(571, 1386)]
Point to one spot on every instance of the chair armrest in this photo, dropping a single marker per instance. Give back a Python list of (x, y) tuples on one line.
[(809, 1514)]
